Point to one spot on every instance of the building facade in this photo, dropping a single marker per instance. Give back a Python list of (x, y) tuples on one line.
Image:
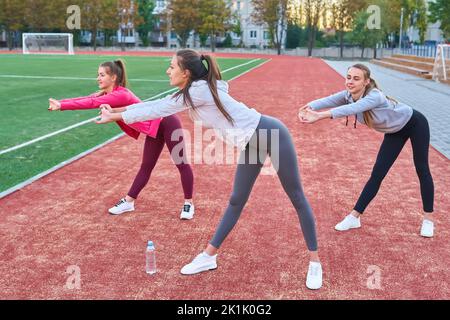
[(253, 36), (432, 35)]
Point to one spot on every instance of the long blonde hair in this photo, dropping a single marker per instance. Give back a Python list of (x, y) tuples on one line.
[(368, 115)]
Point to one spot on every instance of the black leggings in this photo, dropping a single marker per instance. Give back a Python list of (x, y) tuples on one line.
[(418, 131), (271, 138)]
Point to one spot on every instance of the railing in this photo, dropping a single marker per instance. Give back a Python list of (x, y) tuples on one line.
[(421, 51)]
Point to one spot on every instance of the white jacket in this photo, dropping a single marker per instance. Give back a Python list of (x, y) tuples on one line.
[(245, 119)]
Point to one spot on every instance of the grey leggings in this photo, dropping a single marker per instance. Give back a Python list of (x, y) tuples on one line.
[(271, 138)]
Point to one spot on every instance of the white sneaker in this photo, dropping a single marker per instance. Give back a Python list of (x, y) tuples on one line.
[(121, 207), (314, 277), (187, 213), (427, 230), (202, 262), (349, 222)]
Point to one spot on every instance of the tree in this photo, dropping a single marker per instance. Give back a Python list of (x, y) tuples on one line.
[(228, 42), (98, 15), (145, 10), (362, 35), (237, 28), (440, 11), (273, 14), (421, 19), (184, 18), (415, 15), (215, 17), (46, 15), (343, 12), (313, 10), (12, 19), (293, 35), (126, 13)]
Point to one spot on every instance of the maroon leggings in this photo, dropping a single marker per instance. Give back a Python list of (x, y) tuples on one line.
[(152, 150)]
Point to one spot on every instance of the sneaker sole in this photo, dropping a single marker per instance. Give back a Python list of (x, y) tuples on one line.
[(116, 214), (346, 229), (190, 274), (427, 235), (186, 218), (310, 288)]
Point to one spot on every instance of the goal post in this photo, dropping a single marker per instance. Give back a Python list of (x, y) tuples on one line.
[(47, 43), (442, 63)]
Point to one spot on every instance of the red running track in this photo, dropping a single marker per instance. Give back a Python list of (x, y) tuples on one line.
[(61, 220)]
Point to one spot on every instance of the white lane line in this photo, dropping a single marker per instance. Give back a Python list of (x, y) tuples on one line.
[(17, 76), (45, 137), (58, 166), (251, 69)]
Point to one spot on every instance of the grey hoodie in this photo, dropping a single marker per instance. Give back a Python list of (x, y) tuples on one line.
[(388, 117)]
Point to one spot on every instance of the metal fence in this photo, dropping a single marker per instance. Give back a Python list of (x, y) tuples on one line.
[(420, 51)]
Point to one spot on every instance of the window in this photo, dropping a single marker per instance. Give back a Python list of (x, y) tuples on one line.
[(253, 34), (266, 35)]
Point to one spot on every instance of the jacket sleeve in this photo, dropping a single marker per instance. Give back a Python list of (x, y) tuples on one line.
[(114, 99), (333, 101), (164, 107), (151, 110), (371, 101)]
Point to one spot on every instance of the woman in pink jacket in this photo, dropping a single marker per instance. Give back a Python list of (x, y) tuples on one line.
[(112, 81)]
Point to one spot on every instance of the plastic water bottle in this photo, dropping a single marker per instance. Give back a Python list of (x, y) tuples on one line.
[(150, 258)]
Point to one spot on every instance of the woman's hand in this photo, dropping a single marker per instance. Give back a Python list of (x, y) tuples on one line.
[(107, 107), (54, 104), (106, 116), (302, 110), (311, 116)]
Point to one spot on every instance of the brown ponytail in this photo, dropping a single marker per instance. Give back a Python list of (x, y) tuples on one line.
[(368, 115), (117, 68), (201, 67)]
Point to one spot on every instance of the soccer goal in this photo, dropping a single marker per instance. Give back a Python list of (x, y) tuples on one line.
[(47, 43), (442, 63)]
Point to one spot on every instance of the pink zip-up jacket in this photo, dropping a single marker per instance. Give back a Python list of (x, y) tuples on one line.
[(119, 97)]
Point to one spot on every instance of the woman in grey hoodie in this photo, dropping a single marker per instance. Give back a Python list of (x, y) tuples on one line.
[(399, 122)]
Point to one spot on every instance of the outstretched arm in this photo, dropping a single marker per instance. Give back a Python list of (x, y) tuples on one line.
[(53, 104), (114, 99), (333, 101), (308, 115), (156, 109)]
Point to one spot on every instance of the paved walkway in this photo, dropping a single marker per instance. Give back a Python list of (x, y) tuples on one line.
[(426, 96)]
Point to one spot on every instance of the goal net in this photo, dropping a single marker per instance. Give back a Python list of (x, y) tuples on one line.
[(47, 43), (442, 63)]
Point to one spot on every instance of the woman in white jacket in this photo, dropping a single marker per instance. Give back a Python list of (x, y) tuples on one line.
[(205, 95)]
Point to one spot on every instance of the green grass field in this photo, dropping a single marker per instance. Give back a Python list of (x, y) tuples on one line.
[(26, 83)]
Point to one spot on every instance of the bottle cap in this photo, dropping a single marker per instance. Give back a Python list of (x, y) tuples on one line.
[(150, 244)]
